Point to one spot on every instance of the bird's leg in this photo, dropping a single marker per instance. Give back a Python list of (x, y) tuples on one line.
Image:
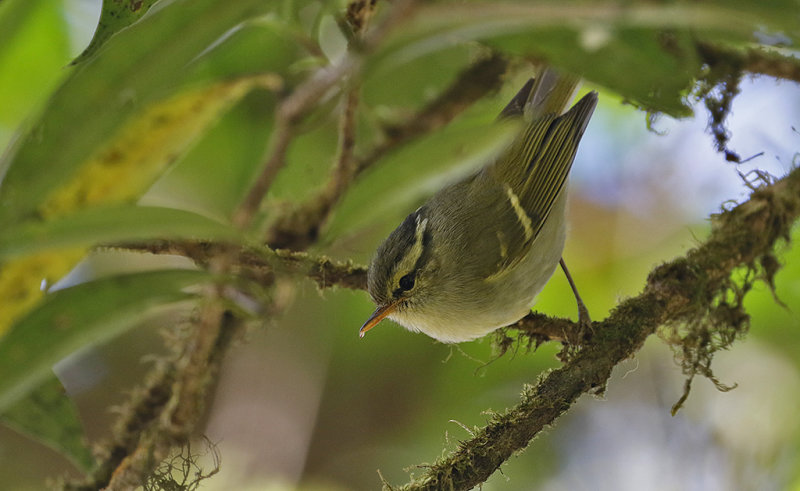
[(584, 321)]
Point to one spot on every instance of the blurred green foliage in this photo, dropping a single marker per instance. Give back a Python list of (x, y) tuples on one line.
[(33, 52)]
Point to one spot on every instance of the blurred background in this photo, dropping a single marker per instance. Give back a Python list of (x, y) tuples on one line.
[(303, 403)]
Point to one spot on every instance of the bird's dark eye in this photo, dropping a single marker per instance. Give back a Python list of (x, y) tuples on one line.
[(406, 282)]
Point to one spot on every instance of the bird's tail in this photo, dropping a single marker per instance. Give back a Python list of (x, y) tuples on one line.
[(550, 92)]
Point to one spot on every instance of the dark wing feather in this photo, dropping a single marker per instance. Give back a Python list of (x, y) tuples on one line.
[(536, 167), (549, 166)]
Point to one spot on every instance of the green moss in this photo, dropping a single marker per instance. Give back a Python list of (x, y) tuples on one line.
[(738, 254)]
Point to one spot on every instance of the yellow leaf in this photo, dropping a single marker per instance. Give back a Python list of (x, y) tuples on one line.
[(143, 148), (21, 281), (121, 171)]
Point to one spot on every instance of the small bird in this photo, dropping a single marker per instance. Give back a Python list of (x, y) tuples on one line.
[(473, 258)]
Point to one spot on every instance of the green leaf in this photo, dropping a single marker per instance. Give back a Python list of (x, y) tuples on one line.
[(663, 77), (130, 161), (120, 166), (417, 170), (79, 317), (603, 41), (49, 416), (262, 45), (119, 173), (410, 85), (114, 16), (111, 224), (33, 50), (140, 65), (198, 181)]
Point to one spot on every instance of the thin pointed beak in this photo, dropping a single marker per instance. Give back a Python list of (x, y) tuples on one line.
[(380, 313)]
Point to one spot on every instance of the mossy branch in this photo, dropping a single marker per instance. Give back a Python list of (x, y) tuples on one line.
[(678, 292), (693, 297), (687, 297), (164, 414)]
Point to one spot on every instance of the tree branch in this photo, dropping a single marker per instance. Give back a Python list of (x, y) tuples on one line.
[(287, 115), (164, 414), (261, 265), (684, 291), (676, 292)]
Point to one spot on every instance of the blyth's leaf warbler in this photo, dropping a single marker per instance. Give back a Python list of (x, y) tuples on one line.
[(474, 257)]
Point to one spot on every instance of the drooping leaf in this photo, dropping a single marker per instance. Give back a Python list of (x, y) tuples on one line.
[(663, 76), (48, 415), (114, 16), (119, 172), (110, 224), (22, 278), (216, 173), (413, 83), (261, 45), (124, 168), (79, 317), (416, 171), (142, 64)]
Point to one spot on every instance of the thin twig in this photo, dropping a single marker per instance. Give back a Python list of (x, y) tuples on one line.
[(299, 227), (262, 265), (301, 101), (343, 170), (287, 115), (538, 327)]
